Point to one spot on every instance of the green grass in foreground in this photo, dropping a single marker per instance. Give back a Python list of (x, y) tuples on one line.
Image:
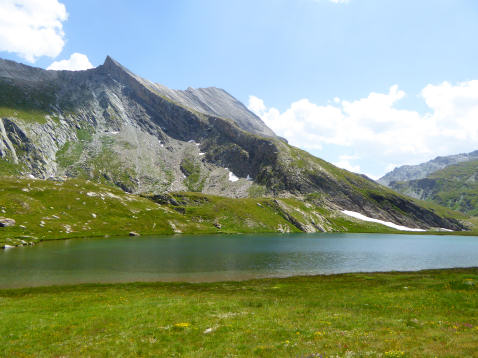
[(421, 314)]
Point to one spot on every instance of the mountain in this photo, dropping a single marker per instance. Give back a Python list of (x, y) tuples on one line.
[(420, 171), (455, 186), (110, 126)]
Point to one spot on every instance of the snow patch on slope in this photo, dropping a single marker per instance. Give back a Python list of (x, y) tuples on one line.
[(232, 177), (386, 223)]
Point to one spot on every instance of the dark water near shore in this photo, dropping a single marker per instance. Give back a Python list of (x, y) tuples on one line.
[(229, 257)]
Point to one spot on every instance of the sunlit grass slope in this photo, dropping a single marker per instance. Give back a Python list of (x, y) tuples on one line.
[(46, 209)]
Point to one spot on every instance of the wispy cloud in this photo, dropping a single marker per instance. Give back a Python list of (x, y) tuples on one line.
[(345, 163)]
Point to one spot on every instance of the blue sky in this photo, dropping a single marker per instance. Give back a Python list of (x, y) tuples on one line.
[(295, 57)]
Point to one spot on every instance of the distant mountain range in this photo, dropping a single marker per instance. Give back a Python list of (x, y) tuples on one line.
[(451, 181), (111, 126), (420, 171)]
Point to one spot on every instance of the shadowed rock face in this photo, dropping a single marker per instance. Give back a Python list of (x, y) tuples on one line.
[(108, 125), (219, 103)]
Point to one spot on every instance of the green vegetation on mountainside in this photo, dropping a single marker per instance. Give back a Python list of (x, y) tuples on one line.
[(31, 105), (8, 167), (455, 187), (192, 171), (70, 153), (420, 314), (464, 171), (441, 210), (360, 187), (77, 208), (30, 115)]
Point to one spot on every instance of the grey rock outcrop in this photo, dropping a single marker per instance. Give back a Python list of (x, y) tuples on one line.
[(5, 222)]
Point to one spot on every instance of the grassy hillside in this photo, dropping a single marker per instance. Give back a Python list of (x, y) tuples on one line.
[(455, 187), (442, 210), (45, 209), (421, 314)]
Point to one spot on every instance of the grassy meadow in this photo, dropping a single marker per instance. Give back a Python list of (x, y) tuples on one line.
[(420, 314)]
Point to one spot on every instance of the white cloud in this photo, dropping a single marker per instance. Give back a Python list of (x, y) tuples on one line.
[(378, 131), (32, 28), (345, 163), (76, 62), (390, 167), (257, 105)]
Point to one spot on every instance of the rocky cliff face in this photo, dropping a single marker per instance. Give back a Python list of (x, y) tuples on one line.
[(219, 103), (109, 125)]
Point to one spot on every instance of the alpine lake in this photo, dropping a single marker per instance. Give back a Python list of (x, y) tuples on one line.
[(228, 257)]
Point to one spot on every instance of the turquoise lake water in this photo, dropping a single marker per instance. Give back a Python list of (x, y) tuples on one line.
[(228, 257)]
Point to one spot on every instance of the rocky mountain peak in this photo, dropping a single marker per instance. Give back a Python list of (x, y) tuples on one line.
[(115, 69), (110, 64), (210, 100)]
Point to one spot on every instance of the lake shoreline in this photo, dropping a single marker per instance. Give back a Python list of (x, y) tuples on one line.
[(161, 235), (244, 281)]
